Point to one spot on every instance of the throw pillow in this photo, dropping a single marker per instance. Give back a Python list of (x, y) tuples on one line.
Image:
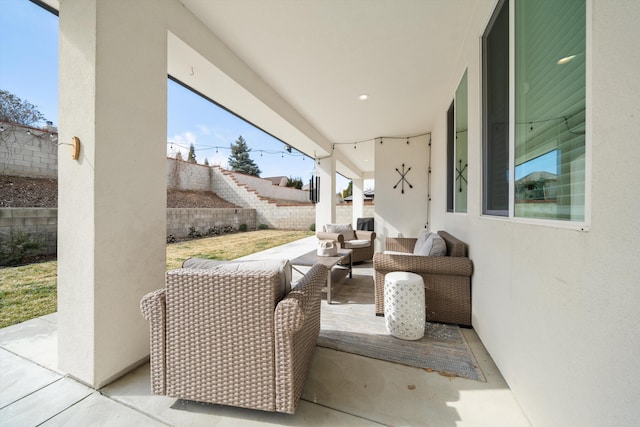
[(345, 229), (438, 246), (420, 246), (432, 245)]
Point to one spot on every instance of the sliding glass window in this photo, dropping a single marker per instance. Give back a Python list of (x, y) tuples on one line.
[(550, 109), (548, 74), (495, 52)]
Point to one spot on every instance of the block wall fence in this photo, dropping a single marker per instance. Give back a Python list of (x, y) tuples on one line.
[(27, 151), (22, 154)]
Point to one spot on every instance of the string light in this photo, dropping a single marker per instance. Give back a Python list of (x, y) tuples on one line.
[(14, 128), (287, 150)]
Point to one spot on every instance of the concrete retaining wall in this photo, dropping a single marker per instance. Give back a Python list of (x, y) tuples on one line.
[(179, 221), (39, 222), (242, 190)]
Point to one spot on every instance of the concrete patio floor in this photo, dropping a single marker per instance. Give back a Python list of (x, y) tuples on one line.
[(342, 389)]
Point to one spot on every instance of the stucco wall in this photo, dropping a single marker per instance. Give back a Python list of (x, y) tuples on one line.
[(397, 212), (555, 305)]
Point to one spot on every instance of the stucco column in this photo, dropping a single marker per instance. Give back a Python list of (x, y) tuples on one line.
[(112, 199), (357, 197), (326, 208)]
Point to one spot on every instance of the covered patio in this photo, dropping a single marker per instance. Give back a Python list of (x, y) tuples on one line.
[(553, 300), (342, 389)]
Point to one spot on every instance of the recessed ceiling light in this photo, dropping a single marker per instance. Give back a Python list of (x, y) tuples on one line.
[(363, 97), (566, 59)]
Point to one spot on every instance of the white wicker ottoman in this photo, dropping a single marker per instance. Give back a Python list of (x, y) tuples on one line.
[(404, 310)]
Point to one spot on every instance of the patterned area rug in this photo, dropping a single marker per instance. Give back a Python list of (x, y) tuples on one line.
[(442, 349)]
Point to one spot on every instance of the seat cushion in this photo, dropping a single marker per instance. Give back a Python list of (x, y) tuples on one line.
[(282, 266), (354, 244), (345, 229)]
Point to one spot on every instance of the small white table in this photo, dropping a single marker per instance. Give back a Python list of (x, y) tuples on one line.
[(404, 307)]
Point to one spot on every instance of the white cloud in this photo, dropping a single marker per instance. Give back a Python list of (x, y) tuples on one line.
[(204, 130), (181, 142)]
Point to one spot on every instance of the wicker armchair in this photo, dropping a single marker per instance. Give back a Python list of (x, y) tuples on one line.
[(234, 338), (447, 279), (361, 242)]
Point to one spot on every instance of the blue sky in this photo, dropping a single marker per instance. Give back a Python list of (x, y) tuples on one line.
[(29, 70)]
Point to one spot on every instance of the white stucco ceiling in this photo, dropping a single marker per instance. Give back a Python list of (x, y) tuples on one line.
[(319, 56)]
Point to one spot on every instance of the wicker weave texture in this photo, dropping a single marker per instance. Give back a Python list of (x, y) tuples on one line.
[(213, 337), (297, 329), (153, 309), (447, 279), (358, 254), (220, 337)]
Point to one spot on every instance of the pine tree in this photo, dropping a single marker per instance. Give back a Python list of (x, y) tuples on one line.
[(348, 191), (239, 160), (191, 158), (178, 155), (206, 162)]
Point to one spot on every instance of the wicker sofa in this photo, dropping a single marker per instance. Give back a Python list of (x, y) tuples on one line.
[(360, 242), (234, 338), (447, 279)]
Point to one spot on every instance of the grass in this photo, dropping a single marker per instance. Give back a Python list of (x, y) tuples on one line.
[(30, 291), (230, 246), (27, 292)]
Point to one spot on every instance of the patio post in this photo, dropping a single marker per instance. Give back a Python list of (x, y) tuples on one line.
[(326, 208), (357, 197), (112, 198)]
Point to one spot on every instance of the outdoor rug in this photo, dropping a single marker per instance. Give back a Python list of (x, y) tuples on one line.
[(443, 349)]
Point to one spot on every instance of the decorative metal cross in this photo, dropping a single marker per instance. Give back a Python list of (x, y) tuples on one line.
[(403, 179), (460, 171)]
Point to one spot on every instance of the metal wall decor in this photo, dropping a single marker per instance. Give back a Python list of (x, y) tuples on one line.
[(403, 179), (460, 171)]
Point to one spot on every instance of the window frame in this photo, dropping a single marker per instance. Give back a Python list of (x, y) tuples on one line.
[(583, 225)]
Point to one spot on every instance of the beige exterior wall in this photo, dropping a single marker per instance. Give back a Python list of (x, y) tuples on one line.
[(555, 305), (111, 203)]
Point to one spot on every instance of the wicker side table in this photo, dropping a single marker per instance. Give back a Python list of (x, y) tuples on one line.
[(404, 308)]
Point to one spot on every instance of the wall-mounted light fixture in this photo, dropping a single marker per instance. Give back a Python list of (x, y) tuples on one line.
[(75, 148)]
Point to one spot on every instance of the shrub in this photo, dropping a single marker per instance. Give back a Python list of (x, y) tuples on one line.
[(312, 227), (263, 227), (214, 231), (18, 245), (194, 232), (243, 227), (171, 238)]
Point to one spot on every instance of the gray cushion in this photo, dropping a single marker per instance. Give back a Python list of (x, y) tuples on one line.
[(430, 244), (345, 229), (438, 246), (420, 246), (282, 266)]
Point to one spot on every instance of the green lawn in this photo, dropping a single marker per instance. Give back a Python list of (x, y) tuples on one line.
[(30, 291)]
